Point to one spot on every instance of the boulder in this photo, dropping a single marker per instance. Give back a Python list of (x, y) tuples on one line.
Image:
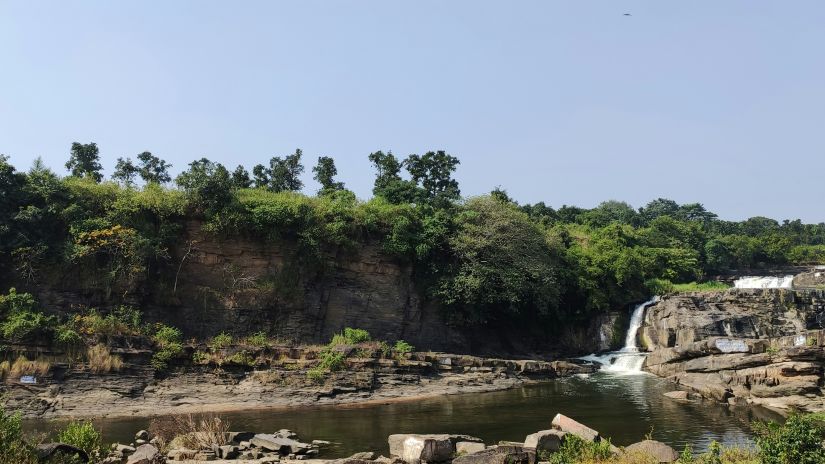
[(278, 443), (566, 424), (660, 451), (228, 452), (495, 456), (468, 447), (366, 455), (142, 435), (123, 449), (180, 455), (46, 451), (235, 438), (677, 395), (414, 448), (545, 440), (144, 454)]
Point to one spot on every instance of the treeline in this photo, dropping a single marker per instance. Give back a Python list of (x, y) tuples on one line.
[(483, 259)]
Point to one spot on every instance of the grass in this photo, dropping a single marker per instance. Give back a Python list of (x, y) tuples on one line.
[(100, 361), (710, 286), (22, 366)]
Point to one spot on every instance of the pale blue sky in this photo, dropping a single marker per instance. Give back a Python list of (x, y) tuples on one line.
[(720, 102)]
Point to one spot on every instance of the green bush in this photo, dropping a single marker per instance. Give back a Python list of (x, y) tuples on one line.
[(20, 325), (659, 286), (83, 435), (401, 348), (350, 336), (575, 449), (12, 447), (220, 341), (259, 339), (797, 441), (169, 346)]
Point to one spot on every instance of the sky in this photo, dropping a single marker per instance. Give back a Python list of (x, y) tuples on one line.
[(573, 102)]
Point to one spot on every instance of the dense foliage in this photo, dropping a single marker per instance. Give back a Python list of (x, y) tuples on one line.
[(484, 259)]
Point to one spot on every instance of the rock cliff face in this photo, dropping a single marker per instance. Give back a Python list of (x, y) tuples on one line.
[(760, 346), (241, 286)]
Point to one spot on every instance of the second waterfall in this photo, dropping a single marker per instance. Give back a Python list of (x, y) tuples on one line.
[(629, 359)]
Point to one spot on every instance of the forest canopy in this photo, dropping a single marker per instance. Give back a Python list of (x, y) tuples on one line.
[(482, 258)]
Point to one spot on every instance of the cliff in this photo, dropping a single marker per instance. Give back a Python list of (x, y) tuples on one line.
[(760, 346)]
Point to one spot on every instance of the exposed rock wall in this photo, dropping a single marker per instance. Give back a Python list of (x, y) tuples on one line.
[(761, 346)]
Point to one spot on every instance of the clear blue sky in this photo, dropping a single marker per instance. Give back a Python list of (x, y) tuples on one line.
[(720, 102)]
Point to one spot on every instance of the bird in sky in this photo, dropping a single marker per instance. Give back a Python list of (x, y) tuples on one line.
[(627, 14)]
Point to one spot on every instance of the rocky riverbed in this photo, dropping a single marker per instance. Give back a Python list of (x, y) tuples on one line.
[(135, 390), (284, 445)]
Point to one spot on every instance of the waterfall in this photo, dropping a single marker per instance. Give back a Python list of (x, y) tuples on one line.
[(629, 359), (764, 282)]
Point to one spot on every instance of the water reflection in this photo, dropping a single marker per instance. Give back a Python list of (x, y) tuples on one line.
[(624, 408)]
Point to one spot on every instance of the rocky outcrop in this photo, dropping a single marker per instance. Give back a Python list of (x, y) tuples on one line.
[(762, 347)]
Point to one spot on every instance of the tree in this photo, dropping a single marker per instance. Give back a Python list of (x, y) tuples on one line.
[(153, 169), (611, 211), (240, 178), (261, 174), (388, 182), (659, 207), (504, 264), (125, 172), (284, 173), (432, 172), (325, 173), (208, 184), (84, 161), (696, 212)]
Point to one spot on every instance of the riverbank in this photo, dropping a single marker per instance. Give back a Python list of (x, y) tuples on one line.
[(286, 383)]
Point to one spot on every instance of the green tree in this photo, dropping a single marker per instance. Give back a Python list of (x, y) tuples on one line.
[(432, 173), (659, 207), (153, 169), (261, 176), (611, 211), (208, 184), (240, 178), (388, 182), (284, 173), (503, 264), (125, 172), (84, 161), (325, 172)]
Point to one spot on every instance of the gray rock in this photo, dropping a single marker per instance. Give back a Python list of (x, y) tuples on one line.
[(545, 440), (566, 424), (677, 395), (414, 448), (228, 452), (495, 456), (366, 455), (660, 451), (468, 447), (278, 443), (125, 449), (144, 454), (142, 435), (235, 438), (320, 442)]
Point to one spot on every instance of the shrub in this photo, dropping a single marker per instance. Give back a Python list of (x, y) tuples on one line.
[(258, 339), (82, 435), (575, 449), (222, 340), (20, 325), (188, 431), (350, 336), (797, 441), (122, 321), (101, 361), (12, 447), (401, 348), (200, 357), (659, 286), (14, 302), (242, 358), (168, 341)]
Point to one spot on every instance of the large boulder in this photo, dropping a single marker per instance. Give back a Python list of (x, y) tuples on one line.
[(566, 424), (414, 448), (145, 454), (658, 450), (273, 442), (500, 455), (545, 440), (46, 451), (468, 447)]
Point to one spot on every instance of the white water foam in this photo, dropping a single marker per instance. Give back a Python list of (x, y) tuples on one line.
[(629, 359), (764, 282)]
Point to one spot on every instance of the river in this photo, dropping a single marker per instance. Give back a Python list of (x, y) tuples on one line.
[(622, 407)]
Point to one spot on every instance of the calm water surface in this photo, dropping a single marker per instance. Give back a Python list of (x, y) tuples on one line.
[(624, 408)]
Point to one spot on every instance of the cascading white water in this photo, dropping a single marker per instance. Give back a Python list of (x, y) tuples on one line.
[(764, 282), (628, 360)]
